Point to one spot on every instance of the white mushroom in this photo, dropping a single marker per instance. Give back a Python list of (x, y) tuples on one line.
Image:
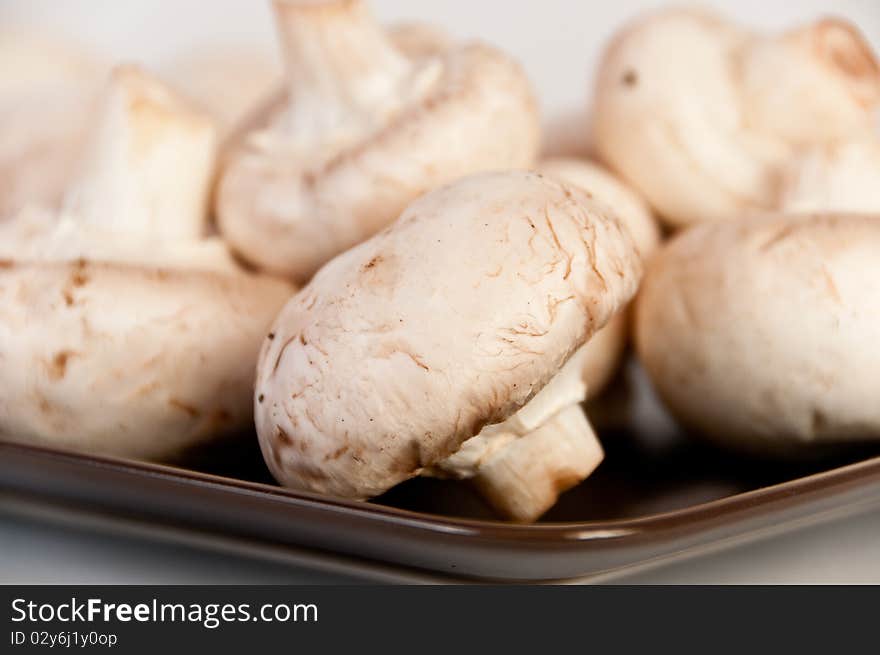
[(123, 329), (521, 469), (702, 116), (451, 320), (761, 333), (47, 87), (842, 178), (366, 129)]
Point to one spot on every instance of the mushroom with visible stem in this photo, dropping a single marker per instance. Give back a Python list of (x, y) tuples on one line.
[(47, 89), (367, 128), (124, 330), (451, 323), (522, 471), (759, 333), (702, 116)]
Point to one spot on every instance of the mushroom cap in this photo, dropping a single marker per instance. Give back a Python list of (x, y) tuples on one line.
[(700, 115), (600, 357), (759, 332), (289, 213), (605, 187), (127, 360), (451, 319), (47, 91)]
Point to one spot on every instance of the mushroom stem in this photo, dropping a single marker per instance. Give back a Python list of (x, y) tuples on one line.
[(524, 479), (343, 73), (148, 164)]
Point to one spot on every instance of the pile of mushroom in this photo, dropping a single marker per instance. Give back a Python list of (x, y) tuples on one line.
[(455, 323), (460, 299), (124, 329), (365, 128)]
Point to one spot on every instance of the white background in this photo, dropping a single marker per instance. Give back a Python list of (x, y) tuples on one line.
[(558, 42)]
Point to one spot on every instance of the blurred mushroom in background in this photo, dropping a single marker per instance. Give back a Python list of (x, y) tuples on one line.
[(761, 333), (124, 328), (366, 128), (703, 117)]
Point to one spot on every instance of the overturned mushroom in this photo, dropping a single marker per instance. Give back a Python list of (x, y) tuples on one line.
[(451, 323), (756, 332), (702, 116), (366, 129), (123, 329), (47, 88)]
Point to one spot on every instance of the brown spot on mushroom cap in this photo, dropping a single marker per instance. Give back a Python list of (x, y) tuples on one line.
[(375, 260), (630, 78), (282, 436), (78, 278), (336, 454), (184, 407), (58, 365)]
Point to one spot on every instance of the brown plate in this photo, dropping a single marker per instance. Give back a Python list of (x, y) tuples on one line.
[(654, 498)]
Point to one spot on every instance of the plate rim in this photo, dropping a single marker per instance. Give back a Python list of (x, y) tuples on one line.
[(685, 519)]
